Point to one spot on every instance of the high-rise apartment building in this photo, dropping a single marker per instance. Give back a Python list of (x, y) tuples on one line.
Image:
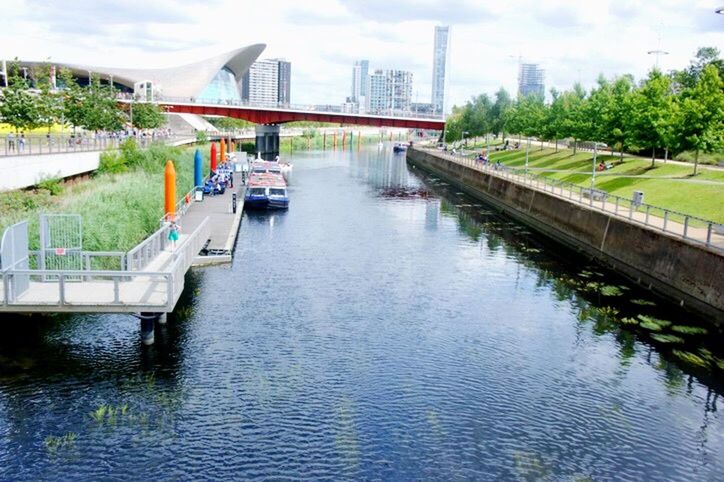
[(439, 67), (390, 90), (360, 74), (267, 82), (531, 80), (285, 82)]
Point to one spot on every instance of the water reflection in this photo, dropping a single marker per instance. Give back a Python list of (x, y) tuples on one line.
[(365, 336)]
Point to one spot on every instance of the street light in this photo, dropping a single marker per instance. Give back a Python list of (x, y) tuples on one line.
[(657, 53), (527, 149)]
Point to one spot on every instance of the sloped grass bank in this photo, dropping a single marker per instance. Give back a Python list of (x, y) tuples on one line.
[(118, 209)]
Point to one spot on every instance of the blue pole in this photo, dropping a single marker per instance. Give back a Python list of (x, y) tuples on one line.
[(198, 176)]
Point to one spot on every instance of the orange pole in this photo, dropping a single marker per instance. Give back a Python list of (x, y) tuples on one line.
[(223, 150), (359, 138), (344, 138), (169, 177), (233, 147), (390, 135), (335, 140)]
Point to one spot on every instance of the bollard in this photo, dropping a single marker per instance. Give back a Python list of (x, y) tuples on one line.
[(233, 203), (213, 157), (198, 173), (324, 141), (170, 190)]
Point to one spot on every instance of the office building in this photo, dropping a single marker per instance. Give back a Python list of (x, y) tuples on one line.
[(285, 82), (439, 67), (531, 80)]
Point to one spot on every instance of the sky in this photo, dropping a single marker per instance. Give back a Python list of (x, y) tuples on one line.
[(573, 40)]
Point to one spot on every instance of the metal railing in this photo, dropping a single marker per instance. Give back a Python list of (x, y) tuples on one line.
[(333, 109), (686, 226), (32, 145), (102, 288)]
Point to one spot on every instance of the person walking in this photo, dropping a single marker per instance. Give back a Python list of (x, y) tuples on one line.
[(11, 141), (173, 235), (21, 143)]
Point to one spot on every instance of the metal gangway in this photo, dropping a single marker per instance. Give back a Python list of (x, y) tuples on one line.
[(61, 277)]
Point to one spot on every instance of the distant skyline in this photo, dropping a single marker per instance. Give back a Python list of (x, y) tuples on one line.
[(570, 39)]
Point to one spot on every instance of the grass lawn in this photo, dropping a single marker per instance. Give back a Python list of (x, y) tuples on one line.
[(5, 129), (669, 186)]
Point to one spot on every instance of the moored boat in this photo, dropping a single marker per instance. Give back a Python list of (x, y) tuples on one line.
[(400, 147), (266, 190)]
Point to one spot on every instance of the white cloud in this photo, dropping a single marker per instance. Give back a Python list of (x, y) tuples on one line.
[(569, 38)]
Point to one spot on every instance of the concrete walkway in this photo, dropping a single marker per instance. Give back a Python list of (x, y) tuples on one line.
[(655, 220), (224, 223)]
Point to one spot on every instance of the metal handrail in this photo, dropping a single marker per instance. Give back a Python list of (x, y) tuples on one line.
[(297, 107), (622, 207)]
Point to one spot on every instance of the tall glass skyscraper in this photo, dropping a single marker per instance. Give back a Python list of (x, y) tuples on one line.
[(439, 68)]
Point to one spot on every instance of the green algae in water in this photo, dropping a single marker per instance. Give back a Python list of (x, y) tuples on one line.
[(608, 311), (641, 302), (667, 338), (610, 290), (689, 358), (629, 321), (653, 324), (689, 330)]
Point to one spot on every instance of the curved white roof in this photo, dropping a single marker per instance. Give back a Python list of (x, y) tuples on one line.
[(184, 81)]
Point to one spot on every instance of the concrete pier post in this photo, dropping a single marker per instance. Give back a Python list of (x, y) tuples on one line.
[(147, 327), (267, 141), (163, 318)]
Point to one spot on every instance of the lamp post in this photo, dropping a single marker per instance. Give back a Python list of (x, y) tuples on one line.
[(593, 171), (657, 53), (527, 150), (462, 137)]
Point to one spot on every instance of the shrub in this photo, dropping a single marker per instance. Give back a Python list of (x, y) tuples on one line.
[(201, 137), (111, 163), (53, 185)]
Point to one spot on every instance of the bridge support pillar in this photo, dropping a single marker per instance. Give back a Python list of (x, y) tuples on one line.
[(267, 141), (148, 321)]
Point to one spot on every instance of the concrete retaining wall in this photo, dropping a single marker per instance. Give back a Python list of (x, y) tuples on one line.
[(23, 171), (690, 274)]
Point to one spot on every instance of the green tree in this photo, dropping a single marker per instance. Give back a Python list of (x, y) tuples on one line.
[(705, 56), (499, 111), (73, 98), (100, 110), (616, 119), (49, 103), (652, 112), (701, 117), (147, 115), (574, 111), (553, 124), (18, 106)]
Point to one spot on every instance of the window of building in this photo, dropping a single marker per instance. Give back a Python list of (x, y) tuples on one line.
[(222, 87)]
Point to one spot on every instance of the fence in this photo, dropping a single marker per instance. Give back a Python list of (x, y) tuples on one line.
[(691, 228), (125, 289)]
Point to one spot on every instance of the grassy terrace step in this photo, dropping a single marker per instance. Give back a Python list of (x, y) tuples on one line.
[(669, 186)]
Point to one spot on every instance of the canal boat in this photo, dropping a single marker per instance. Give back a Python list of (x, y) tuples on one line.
[(270, 167), (400, 147), (266, 190)]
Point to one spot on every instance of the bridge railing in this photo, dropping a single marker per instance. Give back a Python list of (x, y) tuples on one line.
[(685, 226), (184, 257), (88, 288), (331, 109)]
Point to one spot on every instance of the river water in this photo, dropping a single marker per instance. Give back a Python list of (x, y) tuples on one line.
[(385, 327)]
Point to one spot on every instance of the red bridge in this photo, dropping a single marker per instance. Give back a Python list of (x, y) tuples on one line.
[(263, 114)]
